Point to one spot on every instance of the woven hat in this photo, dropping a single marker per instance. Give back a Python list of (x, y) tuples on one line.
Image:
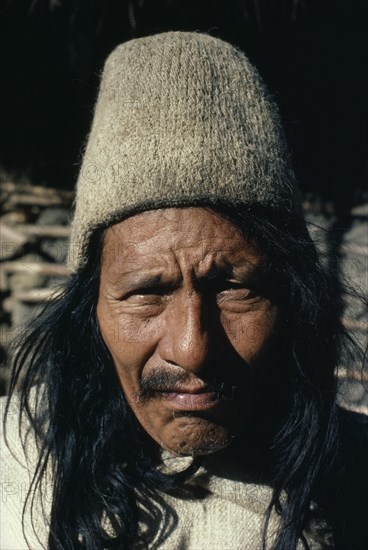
[(181, 118)]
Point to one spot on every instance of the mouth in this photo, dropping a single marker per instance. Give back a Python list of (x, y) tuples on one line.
[(193, 400), (183, 393)]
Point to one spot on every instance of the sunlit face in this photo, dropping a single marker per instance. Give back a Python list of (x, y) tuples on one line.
[(189, 313)]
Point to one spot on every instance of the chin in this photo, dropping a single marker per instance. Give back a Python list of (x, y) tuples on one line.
[(197, 437)]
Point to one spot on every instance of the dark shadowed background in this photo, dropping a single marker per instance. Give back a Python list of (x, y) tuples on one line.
[(313, 55)]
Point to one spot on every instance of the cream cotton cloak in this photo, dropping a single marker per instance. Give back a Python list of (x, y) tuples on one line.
[(217, 513)]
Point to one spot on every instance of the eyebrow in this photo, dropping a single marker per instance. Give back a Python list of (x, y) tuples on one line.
[(137, 279), (247, 269), (254, 272), (145, 279), (148, 281)]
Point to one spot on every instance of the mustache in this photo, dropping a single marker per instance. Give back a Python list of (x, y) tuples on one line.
[(164, 380)]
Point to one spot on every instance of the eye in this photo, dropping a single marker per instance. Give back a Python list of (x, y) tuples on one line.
[(144, 297), (237, 296), (232, 291), (145, 300)]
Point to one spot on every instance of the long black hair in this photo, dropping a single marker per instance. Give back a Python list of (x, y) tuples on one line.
[(103, 462)]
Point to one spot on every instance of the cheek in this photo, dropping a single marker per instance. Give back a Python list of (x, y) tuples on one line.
[(128, 338), (131, 343), (251, 335), (119, 343)]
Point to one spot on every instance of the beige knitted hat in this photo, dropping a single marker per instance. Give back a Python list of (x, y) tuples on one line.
[(181, 118)]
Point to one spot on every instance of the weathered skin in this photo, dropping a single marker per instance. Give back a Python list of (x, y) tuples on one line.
[(183, 293)]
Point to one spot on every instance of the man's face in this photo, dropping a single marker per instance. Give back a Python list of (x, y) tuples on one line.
[(188, 312)]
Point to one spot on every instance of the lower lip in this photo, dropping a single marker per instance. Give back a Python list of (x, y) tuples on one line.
[(193, 401)]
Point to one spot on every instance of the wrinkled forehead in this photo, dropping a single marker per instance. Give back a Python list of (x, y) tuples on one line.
[(194, 234)]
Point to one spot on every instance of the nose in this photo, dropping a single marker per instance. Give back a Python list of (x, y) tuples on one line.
[(191, 336)]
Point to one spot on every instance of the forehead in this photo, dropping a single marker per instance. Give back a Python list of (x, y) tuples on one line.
[(190, 233)]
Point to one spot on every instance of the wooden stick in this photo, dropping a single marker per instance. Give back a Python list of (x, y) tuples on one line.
[(353, 374), (346, 249), (53, 231), (11, 187), (355, 324), (20, 199), (11, 235), (37, 295), (43, 268), (360, 409)]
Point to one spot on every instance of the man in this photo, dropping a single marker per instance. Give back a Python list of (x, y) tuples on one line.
[(181, 392)]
